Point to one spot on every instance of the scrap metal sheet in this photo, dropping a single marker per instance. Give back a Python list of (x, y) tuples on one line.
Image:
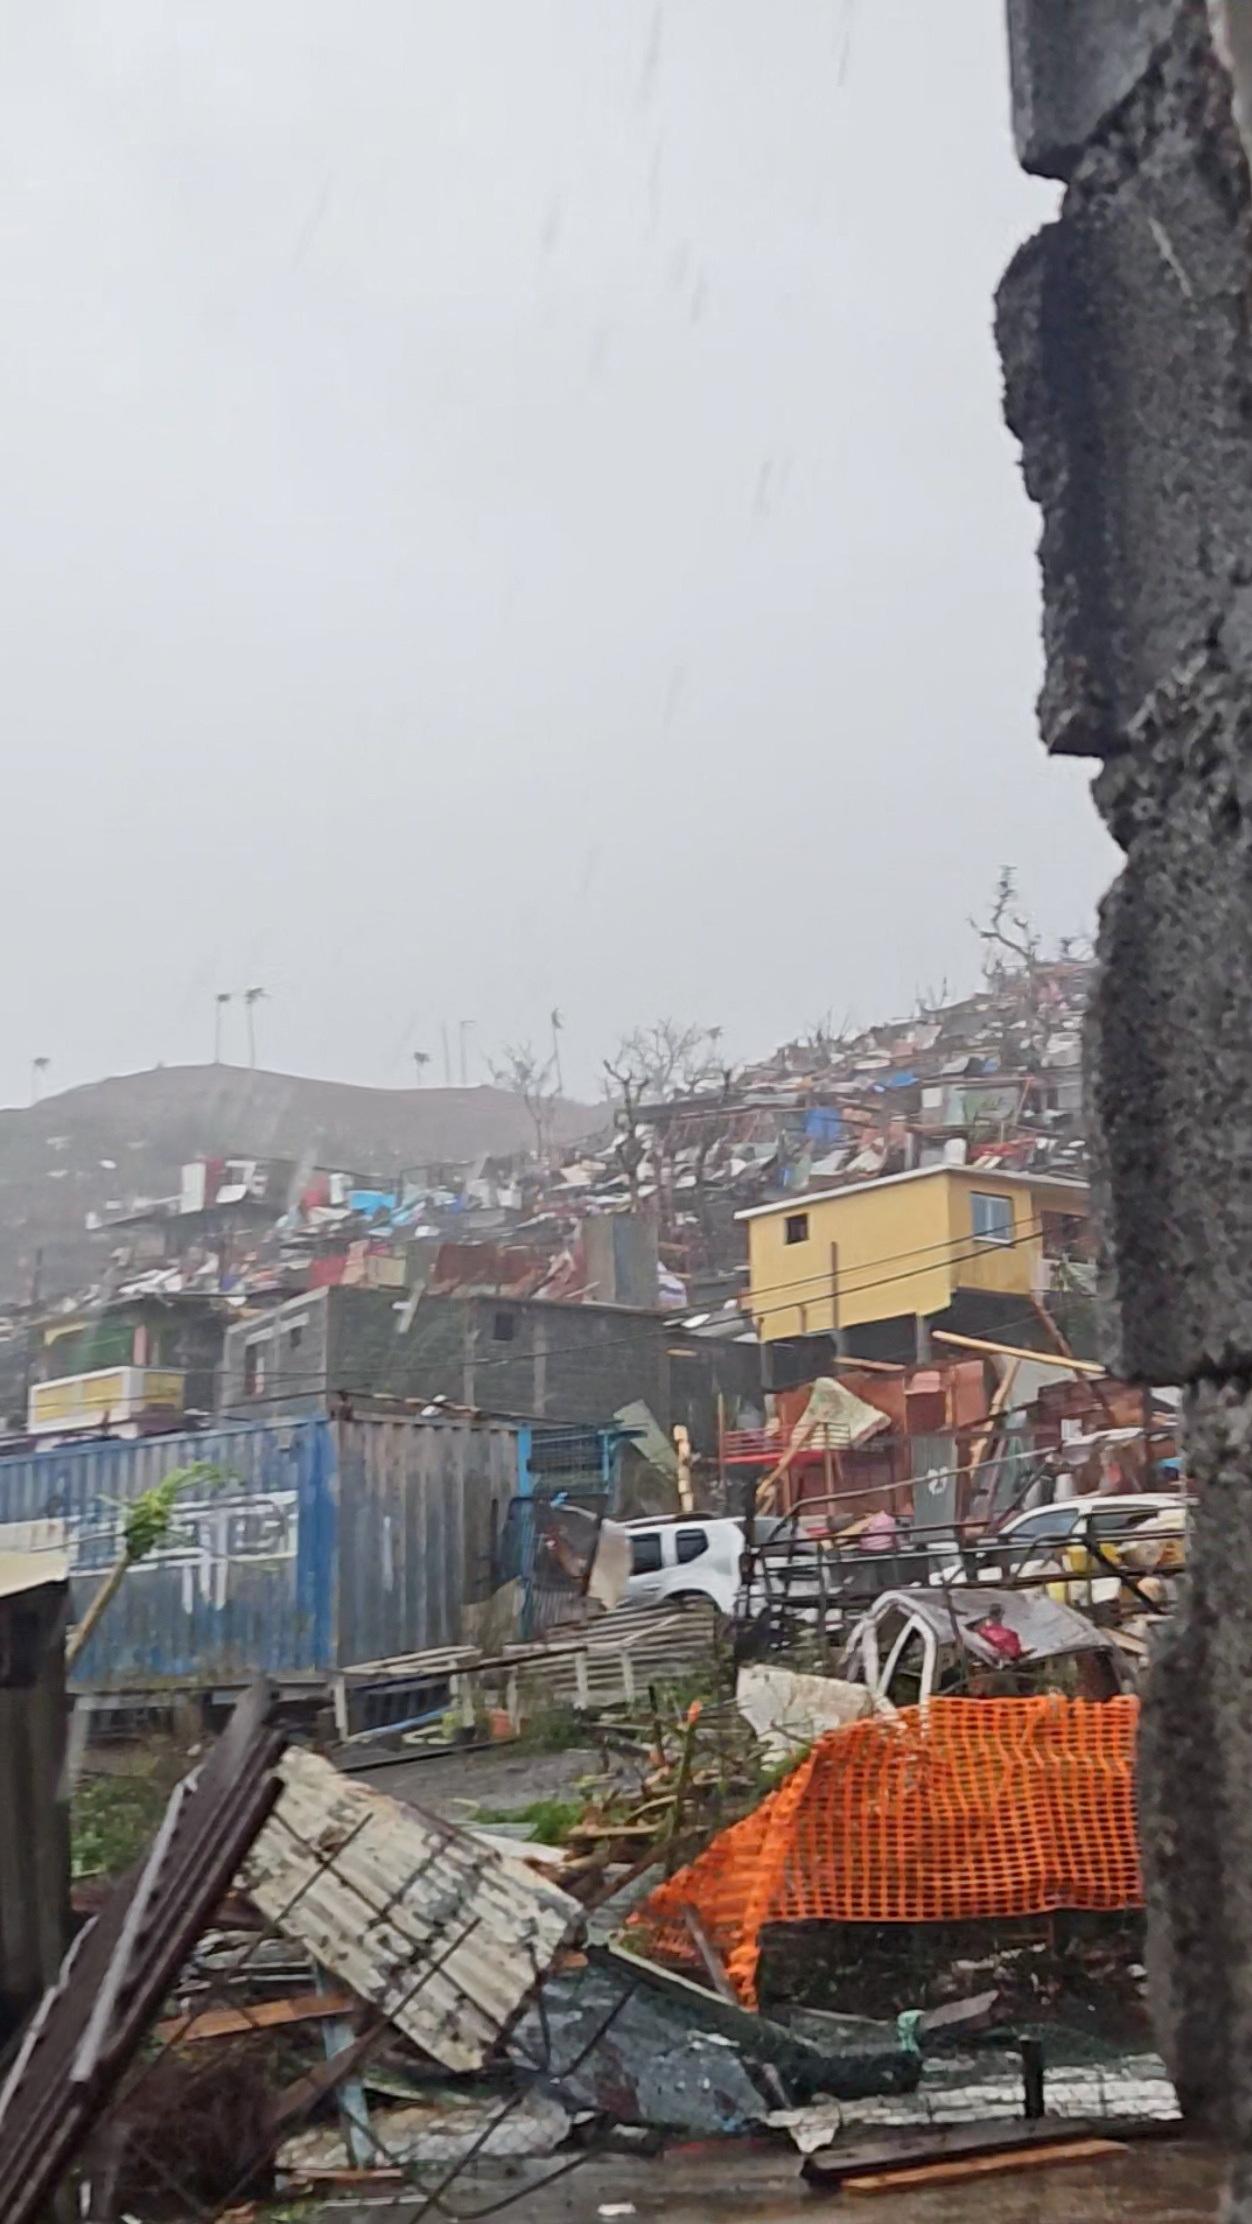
[(446, 1935)]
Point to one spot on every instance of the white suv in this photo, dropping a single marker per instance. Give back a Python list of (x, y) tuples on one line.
[(692, 1557)]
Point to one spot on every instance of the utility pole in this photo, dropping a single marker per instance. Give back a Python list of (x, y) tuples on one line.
[(466, 1025), (557, 1024), (447, 1055), (32, 1310), (220, 1001), (38, 1068), (251, 998), (421, 1059)]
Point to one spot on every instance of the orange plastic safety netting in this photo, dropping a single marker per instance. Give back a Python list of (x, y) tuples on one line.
[(975, 1807)]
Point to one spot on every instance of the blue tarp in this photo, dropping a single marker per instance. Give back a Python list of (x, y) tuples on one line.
[(823, 1123)]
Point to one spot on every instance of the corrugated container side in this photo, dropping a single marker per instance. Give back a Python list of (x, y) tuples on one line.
[(417, 1529), (243, 1582)]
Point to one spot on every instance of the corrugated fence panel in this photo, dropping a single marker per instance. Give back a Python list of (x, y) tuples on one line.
[(244, 1580), (416, 1530)]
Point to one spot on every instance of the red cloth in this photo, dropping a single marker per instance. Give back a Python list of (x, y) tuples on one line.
[(1001, 1639)]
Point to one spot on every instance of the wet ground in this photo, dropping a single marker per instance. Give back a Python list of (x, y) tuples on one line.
[(1146, 2185), (751, 2181), (741, 2183), (454, 1785)]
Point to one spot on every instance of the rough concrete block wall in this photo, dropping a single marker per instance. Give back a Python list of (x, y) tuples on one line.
[(293, 1338), (1125, 335), (561, 1363), (594, 1361), (1072, 62)]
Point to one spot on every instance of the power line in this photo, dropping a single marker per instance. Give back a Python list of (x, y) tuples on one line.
[(834, 1277), (977, 1248), (321, 1379)]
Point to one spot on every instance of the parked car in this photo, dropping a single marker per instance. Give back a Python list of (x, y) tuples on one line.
[(692, 1557), (1145, 1530)]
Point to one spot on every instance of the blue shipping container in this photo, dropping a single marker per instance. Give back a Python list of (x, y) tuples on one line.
[(310, 1545)]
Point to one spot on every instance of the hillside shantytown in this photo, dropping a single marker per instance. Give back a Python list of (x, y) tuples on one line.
[(624, 1484), (707, 1240), (643, 1658)]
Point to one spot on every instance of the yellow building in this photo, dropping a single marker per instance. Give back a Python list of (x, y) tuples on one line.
[(956, 1241)]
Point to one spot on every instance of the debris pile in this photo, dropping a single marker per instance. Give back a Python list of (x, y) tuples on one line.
[(309, 1985)]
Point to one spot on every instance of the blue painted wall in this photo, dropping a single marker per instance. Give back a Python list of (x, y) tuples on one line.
[(314, 1544)]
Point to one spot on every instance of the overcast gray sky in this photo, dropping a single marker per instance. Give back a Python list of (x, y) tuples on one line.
[(505, 505)]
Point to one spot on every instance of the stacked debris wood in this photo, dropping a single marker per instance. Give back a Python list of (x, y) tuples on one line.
[(601, 1664)]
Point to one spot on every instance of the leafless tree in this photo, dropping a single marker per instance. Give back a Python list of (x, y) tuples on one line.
[(668, 1055), (630, 1149), (1012, 966), (520, 1070), (666, 1059)]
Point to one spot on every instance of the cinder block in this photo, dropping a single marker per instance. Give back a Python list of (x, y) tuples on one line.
[(1072, 63), (1196, 1771), (1170, 1037), (1123, 331)]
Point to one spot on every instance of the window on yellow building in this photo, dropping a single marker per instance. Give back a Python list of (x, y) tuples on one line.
[(796, 1228), (991, 1217)]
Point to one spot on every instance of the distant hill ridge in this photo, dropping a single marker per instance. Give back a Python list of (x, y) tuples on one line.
[(53, 1155)]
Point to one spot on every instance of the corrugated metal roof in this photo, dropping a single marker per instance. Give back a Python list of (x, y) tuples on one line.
[(444, 1934)]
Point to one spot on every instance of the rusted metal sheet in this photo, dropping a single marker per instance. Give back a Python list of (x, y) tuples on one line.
[(90, 2025), (446, 1935)]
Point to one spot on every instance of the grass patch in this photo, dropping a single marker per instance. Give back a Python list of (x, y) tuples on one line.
[(551, 1819), (555, 1729), (112, 1820)]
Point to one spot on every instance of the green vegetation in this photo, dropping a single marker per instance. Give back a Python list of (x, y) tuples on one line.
[(149, 1516), (147, 1523), (550, 1819), (556, 1729), (112, 1819)]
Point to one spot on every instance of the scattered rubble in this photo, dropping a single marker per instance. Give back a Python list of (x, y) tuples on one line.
[(396, 2000), (448, 2125), (790, 1711)]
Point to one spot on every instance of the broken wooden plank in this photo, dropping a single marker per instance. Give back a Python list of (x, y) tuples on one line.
[(351, 2181), (890, 2153), (263, 2015), (959, 2168)]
